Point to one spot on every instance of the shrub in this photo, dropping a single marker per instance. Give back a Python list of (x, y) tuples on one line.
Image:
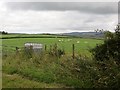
[(108, 74), (107, 61), (109, 49), (55, 51)]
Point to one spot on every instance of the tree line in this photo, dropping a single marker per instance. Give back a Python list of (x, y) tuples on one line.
[(3, 32)]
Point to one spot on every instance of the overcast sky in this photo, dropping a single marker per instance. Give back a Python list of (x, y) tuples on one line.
[(57, 17)]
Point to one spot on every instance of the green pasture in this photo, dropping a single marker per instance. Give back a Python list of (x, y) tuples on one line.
[(81, 45), (7, 36)]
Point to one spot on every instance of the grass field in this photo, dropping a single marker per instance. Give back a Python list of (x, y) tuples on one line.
[(81, 45), (45, 70), (7, 36)]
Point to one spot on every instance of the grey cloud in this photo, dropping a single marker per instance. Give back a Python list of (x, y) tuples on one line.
[(34, 17), (119, 12), (86, 7)]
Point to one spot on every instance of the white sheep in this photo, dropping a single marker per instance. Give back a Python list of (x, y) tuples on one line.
[(78, 41)]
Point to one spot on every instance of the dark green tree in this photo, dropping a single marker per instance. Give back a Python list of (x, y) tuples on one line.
[(108, 35), (3, 32), (110, 49)]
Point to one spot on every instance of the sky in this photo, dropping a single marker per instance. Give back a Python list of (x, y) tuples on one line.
[(57, 17)]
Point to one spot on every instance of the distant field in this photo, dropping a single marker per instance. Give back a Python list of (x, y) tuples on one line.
[(8, 36), (81, 45)]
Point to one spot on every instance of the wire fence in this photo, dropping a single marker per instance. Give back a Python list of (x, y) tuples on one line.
[(50, 49)]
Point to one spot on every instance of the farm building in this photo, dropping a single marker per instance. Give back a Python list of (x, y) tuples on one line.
[(36, 47)]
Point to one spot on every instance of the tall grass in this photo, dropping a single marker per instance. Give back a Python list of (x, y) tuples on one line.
[(77, 73)]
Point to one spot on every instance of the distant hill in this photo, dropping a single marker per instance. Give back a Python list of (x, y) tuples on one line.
[(85, 34), (71, 34)]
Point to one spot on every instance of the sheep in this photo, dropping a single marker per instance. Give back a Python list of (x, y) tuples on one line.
[(78, 42)]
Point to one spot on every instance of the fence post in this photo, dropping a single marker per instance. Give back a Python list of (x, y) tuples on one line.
[(56, 52), (50, 48), (17, 50), (73, 51), (45, 47)]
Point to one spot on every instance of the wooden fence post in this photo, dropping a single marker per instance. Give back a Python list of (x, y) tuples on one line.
[(55, 47), (50, 48), (45, 47), (73, 51), (17, 50)]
